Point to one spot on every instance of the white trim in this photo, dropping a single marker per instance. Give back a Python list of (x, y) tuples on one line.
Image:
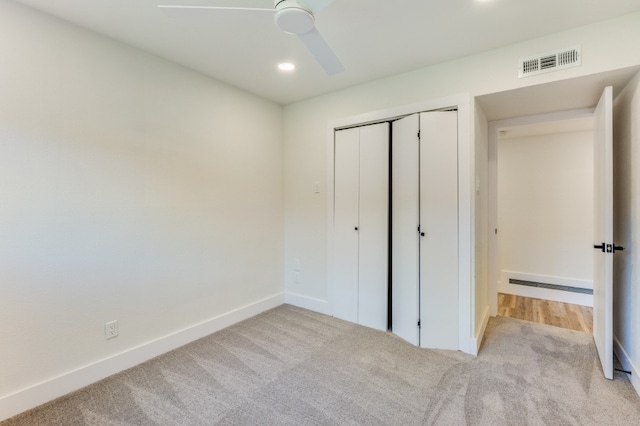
[(494, 127), (53, 388), (480, 334), (310, 303), (330, 217), (625, 360), (466, 225), (466, 185), (397, 112)]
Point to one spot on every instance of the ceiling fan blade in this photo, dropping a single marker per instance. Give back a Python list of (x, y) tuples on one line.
[(322, 52), (315, 6), (171, 6)]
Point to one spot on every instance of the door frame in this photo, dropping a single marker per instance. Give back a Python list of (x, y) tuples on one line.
[(464, 103), (494, 127)]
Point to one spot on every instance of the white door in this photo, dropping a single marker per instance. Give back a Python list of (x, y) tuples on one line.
[(344, 298), (603, 231), (361, 224), (405, 220), (439, 299), (373, 226)]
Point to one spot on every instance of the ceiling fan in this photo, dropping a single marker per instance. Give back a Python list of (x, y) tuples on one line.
[(294, 17)]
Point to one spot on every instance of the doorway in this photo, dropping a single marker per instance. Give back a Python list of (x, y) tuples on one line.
[(545, 219)]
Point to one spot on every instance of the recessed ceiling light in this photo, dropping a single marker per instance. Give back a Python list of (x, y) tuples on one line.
[(286, 66)]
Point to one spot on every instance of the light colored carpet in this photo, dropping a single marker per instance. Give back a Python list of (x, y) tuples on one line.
[(290, 366)]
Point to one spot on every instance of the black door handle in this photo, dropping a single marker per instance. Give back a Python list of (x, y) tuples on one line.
[(608, 248), (356, 228)]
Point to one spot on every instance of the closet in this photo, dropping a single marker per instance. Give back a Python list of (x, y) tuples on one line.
[(396, 228)]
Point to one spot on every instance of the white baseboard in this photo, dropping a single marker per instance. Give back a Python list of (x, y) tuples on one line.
[(50, 389), (624, 359), (545, 293), (310, 303), (483, 327)]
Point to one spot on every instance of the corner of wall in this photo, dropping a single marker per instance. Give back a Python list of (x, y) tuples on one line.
[(477, 340), (305, 302), (48, 390), (627, 364)]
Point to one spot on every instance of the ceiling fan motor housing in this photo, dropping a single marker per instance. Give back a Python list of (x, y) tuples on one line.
[(293, 18)]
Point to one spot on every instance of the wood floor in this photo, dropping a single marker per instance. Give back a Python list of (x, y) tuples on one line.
[(564, 315)]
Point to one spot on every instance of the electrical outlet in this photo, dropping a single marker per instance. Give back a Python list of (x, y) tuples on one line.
[(110, 329)]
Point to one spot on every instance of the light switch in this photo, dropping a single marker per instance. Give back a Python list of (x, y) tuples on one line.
[(316, 188)]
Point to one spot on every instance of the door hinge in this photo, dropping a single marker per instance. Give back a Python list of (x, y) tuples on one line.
[(418, 323), (418, 134)]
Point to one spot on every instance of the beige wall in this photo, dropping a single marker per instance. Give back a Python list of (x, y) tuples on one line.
[(545, 213), (545, 194), (131, 189)]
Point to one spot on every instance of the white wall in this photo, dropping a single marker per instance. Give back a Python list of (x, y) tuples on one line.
[(607, 45), (626, 278), (131, 189), (545, 212)]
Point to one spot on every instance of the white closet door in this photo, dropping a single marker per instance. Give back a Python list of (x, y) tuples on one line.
[(404, 228), (344, 297), (439, 222), (373, 226)]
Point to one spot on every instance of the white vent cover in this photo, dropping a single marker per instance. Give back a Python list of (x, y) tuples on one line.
[(551, 61)]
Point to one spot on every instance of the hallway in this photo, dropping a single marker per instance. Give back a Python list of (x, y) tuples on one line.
[(563, 315)]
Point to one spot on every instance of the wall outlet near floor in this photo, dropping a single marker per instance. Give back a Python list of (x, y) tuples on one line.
[(110, 329)]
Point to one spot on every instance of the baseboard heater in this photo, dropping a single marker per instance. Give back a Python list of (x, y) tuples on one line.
[(551, 286)]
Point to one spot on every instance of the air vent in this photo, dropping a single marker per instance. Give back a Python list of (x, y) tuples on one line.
[(551, 61)]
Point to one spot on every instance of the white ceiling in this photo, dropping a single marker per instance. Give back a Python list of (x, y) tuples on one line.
[(373, 38)]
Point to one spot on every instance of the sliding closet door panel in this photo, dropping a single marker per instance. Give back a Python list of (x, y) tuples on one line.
[(404, 228), (373, 226), (347, 158), (439, 222)]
